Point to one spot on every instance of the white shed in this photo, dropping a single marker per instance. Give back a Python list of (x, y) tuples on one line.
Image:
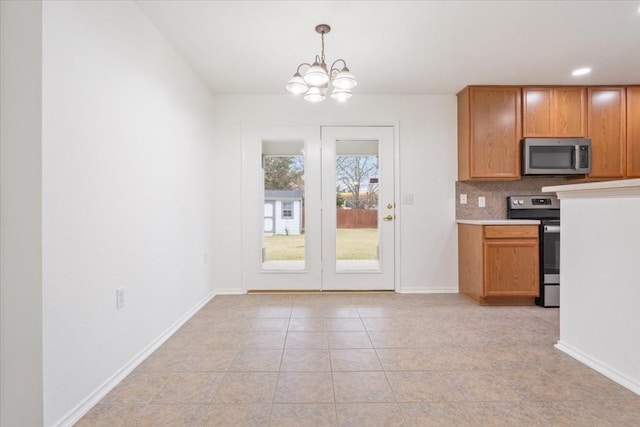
[(283, 211)]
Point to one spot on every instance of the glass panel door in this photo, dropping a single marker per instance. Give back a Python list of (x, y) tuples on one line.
[(358, 210), (281, 208), (318, 208)]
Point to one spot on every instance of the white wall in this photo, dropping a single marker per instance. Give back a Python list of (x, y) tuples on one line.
[(427, 127), (20, 214), (127, 194), (600, 277)]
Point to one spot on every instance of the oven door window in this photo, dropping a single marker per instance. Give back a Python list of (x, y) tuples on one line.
[(552, 157), (551, 251)]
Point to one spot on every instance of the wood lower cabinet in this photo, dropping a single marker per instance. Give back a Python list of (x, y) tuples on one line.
[(499, 264), (510, 268), (489, 132), (608, 132), (633, 131), (554, 112)]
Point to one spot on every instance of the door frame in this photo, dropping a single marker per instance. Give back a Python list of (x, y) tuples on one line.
[(250, 131)]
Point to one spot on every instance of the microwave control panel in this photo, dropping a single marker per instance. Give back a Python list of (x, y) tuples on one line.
[(584, 157)]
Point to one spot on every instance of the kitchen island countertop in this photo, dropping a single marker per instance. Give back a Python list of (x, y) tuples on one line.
[(596, 189)]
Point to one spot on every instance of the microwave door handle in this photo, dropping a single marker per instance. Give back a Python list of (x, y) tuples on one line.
[(576, 157)]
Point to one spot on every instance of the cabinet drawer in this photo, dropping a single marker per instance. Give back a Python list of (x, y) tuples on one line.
[(510, 231)]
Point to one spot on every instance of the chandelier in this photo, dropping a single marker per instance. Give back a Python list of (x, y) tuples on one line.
[(317, 77)]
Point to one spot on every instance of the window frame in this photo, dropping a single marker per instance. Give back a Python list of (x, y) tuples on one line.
[(282, 214)]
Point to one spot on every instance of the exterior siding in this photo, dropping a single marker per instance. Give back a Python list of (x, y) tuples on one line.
[(292, 225)]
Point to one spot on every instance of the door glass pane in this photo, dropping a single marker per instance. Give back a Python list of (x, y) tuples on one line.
[(357, 188), (283, 216)]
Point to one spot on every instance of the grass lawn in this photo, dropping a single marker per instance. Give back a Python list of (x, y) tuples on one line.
[(351, 243)]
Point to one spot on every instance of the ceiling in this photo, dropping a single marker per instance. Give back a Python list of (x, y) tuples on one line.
[(404, 47)]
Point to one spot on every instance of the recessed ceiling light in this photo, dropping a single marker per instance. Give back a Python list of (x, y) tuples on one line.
[(581, 71)]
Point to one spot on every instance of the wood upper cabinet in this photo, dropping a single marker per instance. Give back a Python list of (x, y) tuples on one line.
[(633, 131), (608, 131), (554, 111), (489, 132), (499, 264)]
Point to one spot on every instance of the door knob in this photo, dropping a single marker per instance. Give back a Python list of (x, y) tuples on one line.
[(390, 206), (388, 218)]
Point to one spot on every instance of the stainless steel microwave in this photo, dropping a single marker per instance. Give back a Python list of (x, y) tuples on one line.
[(556, 156)]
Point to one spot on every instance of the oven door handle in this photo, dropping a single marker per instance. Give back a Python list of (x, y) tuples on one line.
[(551, 229)]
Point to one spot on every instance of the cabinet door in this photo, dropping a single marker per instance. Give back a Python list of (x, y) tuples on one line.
[(511, 268), (607, 130), (537, 112), (569, 112), (633, 131), (554, 112), (495, 132)]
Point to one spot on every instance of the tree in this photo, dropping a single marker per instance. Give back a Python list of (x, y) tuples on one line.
[(339, 199), (283, 173), (358, 175)]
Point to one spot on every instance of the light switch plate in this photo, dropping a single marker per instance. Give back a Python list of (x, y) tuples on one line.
[(482, 202), (463, 199)]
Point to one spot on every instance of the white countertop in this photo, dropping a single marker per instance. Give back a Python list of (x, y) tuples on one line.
[(619, 188), (498, 221)]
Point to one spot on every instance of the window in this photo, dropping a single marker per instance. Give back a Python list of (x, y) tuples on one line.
[(287, 210)]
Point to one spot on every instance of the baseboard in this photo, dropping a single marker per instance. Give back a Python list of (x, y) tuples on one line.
[(233, 291), (85, 406), (423, 290), (603, 368), (404, 290)]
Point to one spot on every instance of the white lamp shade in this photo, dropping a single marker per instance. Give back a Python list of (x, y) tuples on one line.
[(296, 85), (344, 80), (341, 95), (314, 95), (316, 76)]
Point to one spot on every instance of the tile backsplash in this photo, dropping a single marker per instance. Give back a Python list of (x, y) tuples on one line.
[(496, 193)]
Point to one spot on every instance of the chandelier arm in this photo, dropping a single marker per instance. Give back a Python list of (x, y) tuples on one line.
[(304, 63), (333, 66)]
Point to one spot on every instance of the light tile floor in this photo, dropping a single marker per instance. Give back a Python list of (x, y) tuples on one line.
[(364, 359)]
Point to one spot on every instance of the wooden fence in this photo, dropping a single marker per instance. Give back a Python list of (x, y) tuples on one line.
[(357, 218)]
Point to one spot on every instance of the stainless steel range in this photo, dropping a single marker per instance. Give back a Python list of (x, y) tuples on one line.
[(547, 210)]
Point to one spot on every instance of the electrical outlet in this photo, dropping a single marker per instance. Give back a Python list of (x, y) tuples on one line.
[(482, 202), (119, 298), (463, 199)]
